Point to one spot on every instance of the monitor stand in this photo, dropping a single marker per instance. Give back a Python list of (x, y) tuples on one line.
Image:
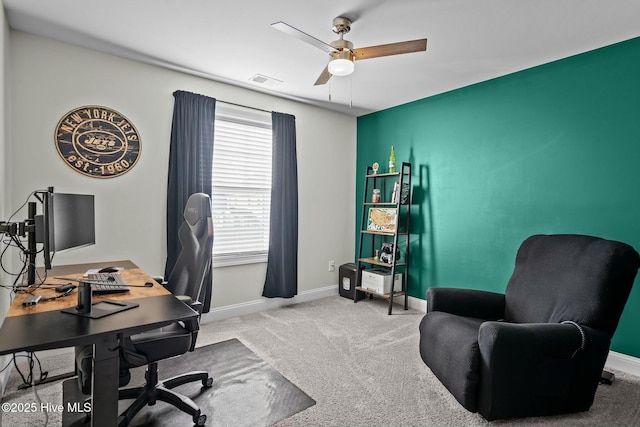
[(98, 309)]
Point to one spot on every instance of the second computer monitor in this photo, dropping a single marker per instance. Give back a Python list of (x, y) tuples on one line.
[(68, 221), (73, 221)]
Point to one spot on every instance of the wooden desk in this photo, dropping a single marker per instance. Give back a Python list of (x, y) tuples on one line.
[(44, 327), (132, 274)]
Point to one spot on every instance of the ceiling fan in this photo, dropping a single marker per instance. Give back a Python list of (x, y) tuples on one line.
[(342, 53)]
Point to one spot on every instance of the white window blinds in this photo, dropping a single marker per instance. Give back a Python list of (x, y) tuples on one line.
[(241, 189)]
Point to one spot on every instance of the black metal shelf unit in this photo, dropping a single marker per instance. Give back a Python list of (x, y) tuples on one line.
[(395, 207)]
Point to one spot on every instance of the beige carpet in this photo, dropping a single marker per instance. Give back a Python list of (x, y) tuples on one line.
[(363, 368)]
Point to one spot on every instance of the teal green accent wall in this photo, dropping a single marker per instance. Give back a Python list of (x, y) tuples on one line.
[(552, 149)]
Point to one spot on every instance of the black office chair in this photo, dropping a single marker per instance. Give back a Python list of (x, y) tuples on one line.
[(187, 282), (539, 348)]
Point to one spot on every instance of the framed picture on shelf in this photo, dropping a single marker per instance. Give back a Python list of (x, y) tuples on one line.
[(382, 219)]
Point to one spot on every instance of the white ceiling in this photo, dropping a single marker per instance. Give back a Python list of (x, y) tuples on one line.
[(231, 40)]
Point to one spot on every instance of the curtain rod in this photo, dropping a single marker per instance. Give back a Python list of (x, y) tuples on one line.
[(227, 102), (243, 106)]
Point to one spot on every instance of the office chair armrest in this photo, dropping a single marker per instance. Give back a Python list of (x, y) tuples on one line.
[(159, 279), (466, 302), (185, 299), (193, 326), (196, 305)]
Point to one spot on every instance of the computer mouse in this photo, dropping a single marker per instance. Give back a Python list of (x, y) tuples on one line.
[(108, 270)]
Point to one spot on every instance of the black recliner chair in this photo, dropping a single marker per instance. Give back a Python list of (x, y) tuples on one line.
[(539, 348), (187, 282)]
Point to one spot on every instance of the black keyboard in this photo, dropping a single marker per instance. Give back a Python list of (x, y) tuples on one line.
[(107, 283)]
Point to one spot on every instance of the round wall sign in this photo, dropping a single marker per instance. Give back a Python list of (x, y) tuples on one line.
[(97, 141)]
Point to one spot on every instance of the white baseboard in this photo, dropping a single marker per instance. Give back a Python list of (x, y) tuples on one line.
[(267, 304), (623, 362), (417, 304), (270, 303)]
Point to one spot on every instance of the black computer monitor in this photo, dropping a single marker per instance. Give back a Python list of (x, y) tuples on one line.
[(67, 221)]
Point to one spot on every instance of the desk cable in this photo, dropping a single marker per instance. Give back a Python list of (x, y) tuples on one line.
[(29, 380), (66, 294), (10, 240), (19, 277), (15, 240)]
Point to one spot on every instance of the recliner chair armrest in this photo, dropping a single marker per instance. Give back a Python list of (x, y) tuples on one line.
[(530, 363), (552, 339), (466, 302)]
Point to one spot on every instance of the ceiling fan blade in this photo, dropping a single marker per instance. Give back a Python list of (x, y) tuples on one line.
[(292, 31), (324, 77), (390, 49)]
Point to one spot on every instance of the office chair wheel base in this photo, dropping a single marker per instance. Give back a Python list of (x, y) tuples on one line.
[(208, 382), (200, 420)]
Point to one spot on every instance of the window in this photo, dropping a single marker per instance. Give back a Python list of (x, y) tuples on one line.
[(241, 189)]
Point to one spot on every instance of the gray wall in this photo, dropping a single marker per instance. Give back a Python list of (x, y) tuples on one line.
[(51, 78)]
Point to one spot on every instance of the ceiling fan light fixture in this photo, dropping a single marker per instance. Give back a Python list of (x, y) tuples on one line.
[(343, 55), (342, 63)]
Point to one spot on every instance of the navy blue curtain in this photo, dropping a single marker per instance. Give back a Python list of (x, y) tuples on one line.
[(282, 264), (190, 164)]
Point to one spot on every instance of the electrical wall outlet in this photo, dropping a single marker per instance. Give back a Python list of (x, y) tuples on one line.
[(332, 265)]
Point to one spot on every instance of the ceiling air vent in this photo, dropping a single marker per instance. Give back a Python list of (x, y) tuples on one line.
[(264, 80)]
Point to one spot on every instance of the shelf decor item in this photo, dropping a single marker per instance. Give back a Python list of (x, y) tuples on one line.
[(394, 195), (382, 219), (375, 198), (404, 194), (392, 161), (387, 253)]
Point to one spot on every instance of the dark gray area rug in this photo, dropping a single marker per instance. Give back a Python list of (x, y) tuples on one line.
[(246, 390)]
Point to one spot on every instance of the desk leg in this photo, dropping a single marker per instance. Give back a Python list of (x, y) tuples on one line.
[(104, 400)]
